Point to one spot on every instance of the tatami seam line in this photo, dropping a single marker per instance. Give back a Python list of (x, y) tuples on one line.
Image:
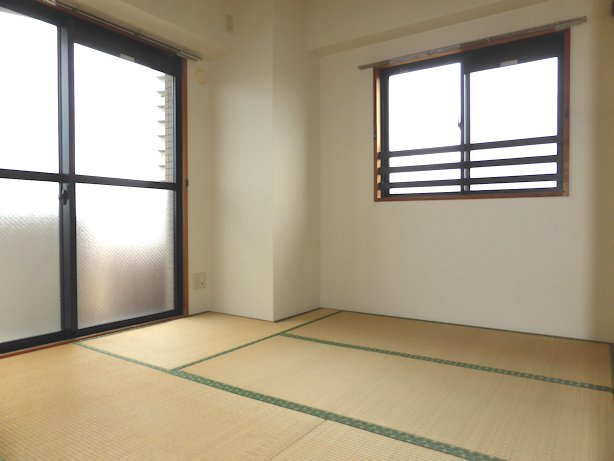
[(196, 362), (612, 365), (346, 420), (121, 357), (395, 434), (312, 430), (471, 366)]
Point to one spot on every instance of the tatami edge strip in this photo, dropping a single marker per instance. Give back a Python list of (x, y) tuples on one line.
[(251, 343), (121, 357), (612, 365), (406, 437), (472, 366), (346, 420)]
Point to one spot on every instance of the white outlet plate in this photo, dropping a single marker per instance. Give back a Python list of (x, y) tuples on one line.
[(199, 280)]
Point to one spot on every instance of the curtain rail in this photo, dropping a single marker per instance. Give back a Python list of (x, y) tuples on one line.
[(137, 35), (561, 25)]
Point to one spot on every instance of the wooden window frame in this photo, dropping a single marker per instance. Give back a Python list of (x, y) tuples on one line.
[(563, 113)]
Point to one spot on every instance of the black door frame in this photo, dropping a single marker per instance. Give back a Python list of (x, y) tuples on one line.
[(73, 30)]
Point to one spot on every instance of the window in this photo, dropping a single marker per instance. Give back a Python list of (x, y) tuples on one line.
[(90, 175), (485, 122)]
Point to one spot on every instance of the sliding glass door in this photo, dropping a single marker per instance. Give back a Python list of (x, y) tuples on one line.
[(125, 245), (29, 187), (90, 175)]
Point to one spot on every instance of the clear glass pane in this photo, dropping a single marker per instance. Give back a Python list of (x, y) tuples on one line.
[(515, 102), (516, 185), (538, 150), (29, 94), (425, 190), (426, 159), (425, 108), (30, 255), (434, 175), (124, 253), (513, 170), (123, 118)]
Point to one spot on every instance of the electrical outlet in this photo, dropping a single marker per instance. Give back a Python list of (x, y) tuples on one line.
[(199, 280)]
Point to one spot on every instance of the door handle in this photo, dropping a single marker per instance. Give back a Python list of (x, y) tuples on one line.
[(64, 196)]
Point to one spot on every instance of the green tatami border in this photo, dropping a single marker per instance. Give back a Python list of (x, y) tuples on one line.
[(286, 333), (406, 437), (471, 366), (196, 362), (121, 357), (395, 434)]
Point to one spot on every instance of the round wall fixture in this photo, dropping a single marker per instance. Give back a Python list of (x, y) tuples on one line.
[(201, 76)]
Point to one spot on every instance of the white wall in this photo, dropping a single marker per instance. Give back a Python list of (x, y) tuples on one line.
[(296, 244), (241, 85), (601, 88), (199, 194), (265, 215), (519, 264), (340, 25)]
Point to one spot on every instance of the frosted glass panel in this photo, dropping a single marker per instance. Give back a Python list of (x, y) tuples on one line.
[(425, 108), (30, 256), (124, 253), (123, 118), (29, 94), (515, 102)]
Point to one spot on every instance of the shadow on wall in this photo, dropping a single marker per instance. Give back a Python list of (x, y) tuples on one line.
[(603, 305)]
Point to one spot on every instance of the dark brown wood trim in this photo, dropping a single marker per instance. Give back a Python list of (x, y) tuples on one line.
[(416, 198), (377, 134), (566, 103), (184, 186), (501, 41), (82, 338)]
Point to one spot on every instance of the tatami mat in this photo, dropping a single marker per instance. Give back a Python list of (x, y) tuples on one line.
[(332, 441), (179, 342), (507, 417), (569, 359), (69, 403)]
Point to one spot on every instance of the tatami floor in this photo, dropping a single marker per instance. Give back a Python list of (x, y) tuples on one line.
[(324, 385)]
